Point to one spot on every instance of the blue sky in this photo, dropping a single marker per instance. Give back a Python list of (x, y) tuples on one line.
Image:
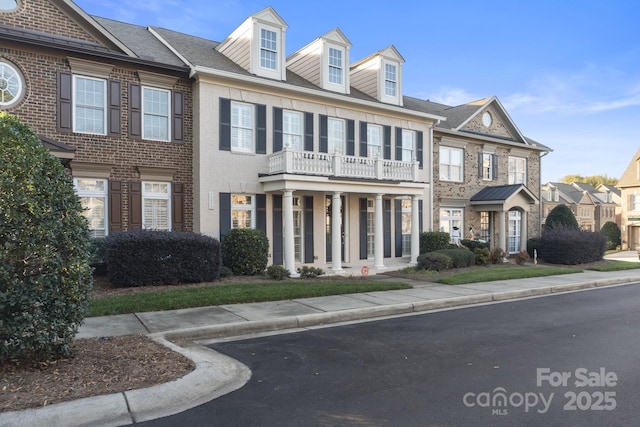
[(567, 71)]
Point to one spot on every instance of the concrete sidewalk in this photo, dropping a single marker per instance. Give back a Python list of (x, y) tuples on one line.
[(216, 375)]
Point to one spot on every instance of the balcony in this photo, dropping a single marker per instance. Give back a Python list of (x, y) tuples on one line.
[(291, 161)]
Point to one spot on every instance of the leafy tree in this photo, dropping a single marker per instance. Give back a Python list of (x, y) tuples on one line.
[(561, 215), (612, 232), (594, 180), (45, 275)]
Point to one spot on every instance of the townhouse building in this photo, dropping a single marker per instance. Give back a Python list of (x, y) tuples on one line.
[(629, 185), (592, 207), (162, 129), (118, 118)]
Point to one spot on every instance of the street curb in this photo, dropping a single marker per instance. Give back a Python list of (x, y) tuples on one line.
[(238, 329)]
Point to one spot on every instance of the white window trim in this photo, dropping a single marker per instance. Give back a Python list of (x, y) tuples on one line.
[(391, 99), (244, 207), (298, 210), (256, 67), (406, 135), (169, 113), (330, 140), (516, 172), (490, 157), (452, 220), (326, 65), (234, 144), (157, 196), (288, 133), (370, 132), (75, 104), (97, 194), (18, 75), (269, 50), (449, 165), (406, 207), (371, 228)]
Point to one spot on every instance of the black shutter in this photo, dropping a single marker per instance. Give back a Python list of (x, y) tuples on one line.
[(351, 138), (115, 206), (386, 140), (398, 143), (177, 207), (398, 215), (419, 151), (308, 229), (225, 124), (363, 139), (261, 129), (420, 221), (261, 212), (363, 228), (135, 205), (135, 111), (113, 118), (277, 129), (308, 131), (494, 167), (480, 165), (386, 225), (278, 236), (178, 116), (64, 102), (225, 214), (324, 142)]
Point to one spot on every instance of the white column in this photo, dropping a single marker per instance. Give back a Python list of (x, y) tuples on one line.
[(336, 234), (378, 241), (502, 240), (415, 230), (289, 249)]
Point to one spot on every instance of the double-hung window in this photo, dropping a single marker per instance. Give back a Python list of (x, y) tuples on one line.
[(155, 114), (374, 141), (390, 80), (451, 164), (268, 49), (517, 170), (371, 228), (242, 127), (89, 105), (487, 166), (243, 211), (336, 68), (406, 226), (292, 129), (156, 205), (408, 145), (93, 198), (335, 135), (635, 202)]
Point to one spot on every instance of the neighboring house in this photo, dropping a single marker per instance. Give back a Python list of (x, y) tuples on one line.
[(592, 207), (117, 117), (629, 185), (487, 174)]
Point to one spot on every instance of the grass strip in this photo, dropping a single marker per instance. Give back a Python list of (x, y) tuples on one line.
[(505, 273), (216, 294), (616, 266)]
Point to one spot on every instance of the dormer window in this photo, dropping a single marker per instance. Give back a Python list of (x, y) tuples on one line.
[(268, 49), (336, 69), (390, 80)]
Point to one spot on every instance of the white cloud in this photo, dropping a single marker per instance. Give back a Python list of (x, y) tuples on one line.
[(453, 96)]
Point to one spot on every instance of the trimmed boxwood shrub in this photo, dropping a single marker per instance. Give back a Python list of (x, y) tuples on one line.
[(45, 277), (482, 255), (561, 216), (473, 244), (612, 232), (569, 246), (277, 272), (151, 257), (434, 261), (245, 251), (434, 240), (461, 257), (98, 256)]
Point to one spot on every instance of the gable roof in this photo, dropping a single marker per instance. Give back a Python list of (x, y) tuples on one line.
[(630, 176)]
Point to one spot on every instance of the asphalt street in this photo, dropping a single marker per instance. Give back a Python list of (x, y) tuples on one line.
[(568, 359)]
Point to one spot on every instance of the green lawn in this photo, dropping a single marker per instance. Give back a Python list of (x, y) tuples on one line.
[(616, 265), (505, 272), (217, 294)]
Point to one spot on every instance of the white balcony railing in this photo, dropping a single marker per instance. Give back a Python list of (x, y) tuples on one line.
[(338, 165)]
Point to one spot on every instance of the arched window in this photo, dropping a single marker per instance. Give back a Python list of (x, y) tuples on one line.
[(11, 84), (9, 5)]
